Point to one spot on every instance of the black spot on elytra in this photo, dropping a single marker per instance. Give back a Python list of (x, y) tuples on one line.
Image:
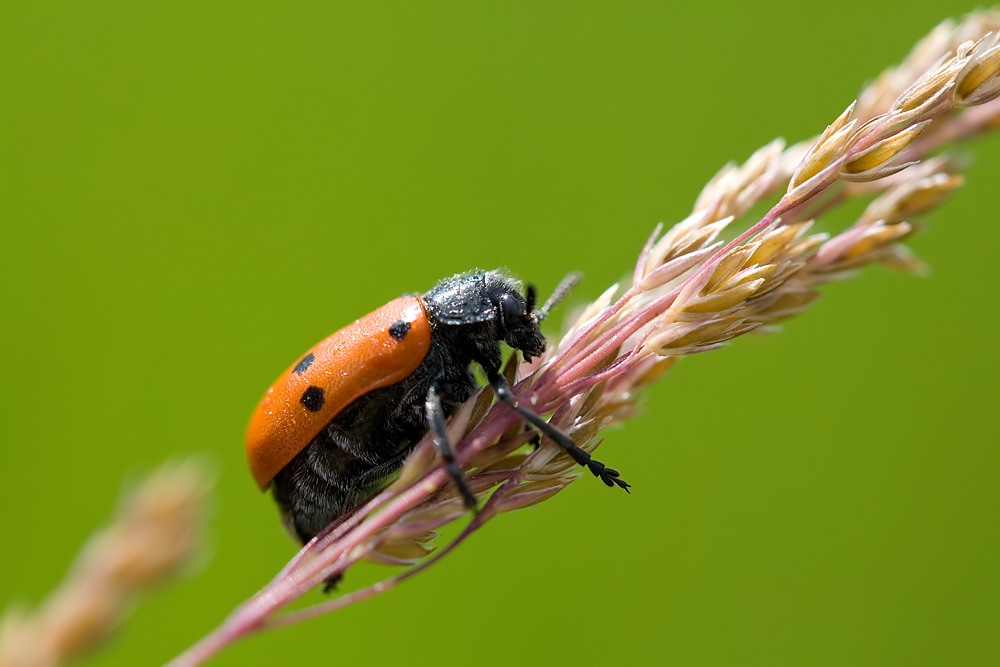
[(306, 362), (312, 399), (399, 330)]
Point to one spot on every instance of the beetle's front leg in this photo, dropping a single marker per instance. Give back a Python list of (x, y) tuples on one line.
[(609, 476)]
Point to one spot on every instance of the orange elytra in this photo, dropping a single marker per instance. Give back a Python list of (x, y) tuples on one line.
[(375, 351)]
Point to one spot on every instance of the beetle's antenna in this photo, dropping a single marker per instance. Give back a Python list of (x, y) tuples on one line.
[(530, 297), (560, 292)]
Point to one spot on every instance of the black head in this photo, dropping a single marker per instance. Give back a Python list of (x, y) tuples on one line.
[(515, 318), (496, 304)]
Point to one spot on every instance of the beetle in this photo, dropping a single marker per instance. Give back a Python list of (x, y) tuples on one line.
[(343, 418)]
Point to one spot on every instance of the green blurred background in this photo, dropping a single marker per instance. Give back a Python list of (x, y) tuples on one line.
[(193, 193)]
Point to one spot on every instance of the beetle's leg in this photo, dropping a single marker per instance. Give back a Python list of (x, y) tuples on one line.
[(609, 476), (435, 417), (330, 585)]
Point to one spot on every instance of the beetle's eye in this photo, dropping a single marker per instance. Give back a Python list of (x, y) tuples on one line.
[(512, 311)]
